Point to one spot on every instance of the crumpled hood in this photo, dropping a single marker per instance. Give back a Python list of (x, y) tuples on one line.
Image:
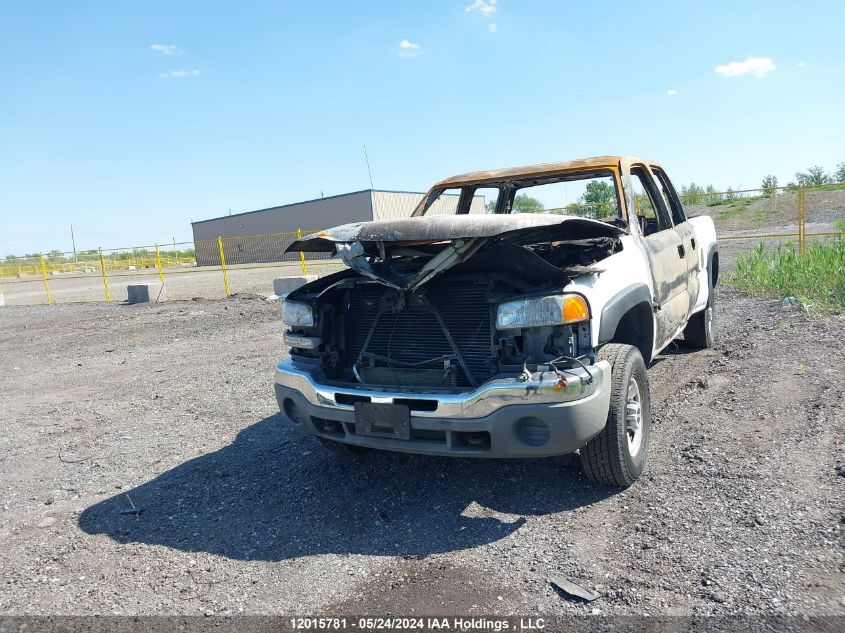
[(448, 227)]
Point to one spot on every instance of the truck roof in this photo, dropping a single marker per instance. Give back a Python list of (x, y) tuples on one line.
[(543, 169)]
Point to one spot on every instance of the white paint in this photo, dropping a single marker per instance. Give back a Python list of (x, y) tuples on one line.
[(620, 271), (705, 237)]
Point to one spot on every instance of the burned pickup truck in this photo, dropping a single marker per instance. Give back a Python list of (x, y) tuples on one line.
[(476, 329)]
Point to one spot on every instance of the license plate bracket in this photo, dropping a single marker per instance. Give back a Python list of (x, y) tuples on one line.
[(377, 419)]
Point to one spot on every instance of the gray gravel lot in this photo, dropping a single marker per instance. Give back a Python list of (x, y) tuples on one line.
[(168, 410)]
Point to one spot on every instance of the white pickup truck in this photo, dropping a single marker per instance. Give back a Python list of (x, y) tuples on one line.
[(476, 329)]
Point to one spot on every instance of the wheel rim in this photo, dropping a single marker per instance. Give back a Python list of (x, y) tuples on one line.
[(634, 418)]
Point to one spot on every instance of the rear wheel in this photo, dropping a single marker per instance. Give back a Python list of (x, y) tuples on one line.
[(618, 455), (347, 450), (700, 331)]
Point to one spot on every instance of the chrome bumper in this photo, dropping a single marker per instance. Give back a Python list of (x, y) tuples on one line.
[(544, 388)]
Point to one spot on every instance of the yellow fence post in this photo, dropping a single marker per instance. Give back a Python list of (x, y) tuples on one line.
[(105, 277), (802, 217), (301, 254), (46, 284), (159, 266), (223, 264)]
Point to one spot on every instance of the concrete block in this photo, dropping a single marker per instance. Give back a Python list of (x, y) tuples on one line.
[(145, 293), (88, 270), (284, 285), (131, 268)]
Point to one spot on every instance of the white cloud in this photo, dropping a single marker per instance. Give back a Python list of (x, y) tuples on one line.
[(758, 66), (485, 7), (800, 64), (409, 49), (492, 27), (177, 74), (166, 49), (672, 93)]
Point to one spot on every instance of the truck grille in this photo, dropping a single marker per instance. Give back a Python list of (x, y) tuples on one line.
[(413, 340)]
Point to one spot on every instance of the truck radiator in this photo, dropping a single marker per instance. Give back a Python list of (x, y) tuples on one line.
[(399, 340)]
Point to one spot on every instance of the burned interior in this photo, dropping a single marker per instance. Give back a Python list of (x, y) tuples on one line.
[(425, 302)]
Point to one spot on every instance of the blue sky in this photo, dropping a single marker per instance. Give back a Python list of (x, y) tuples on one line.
[(244, 105)]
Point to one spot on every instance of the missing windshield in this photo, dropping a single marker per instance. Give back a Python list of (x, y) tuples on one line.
[(588, 195)]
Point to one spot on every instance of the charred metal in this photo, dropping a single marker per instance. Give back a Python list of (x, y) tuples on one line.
[(421, 311)]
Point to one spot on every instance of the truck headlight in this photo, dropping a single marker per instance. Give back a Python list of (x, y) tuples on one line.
[(537, 311), (297, 314)]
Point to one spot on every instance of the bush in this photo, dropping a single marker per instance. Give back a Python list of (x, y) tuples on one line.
[(813, 176), (770, 185)]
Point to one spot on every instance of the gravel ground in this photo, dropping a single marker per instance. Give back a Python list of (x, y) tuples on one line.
[(146, 471)]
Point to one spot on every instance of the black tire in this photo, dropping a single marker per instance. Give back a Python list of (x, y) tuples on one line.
[(347, 450), (701, 332), (610, 458)]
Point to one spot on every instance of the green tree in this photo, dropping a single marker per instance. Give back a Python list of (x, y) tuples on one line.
[(813, 176), (692, 194), (711, 196), (598, 192), (601, 196), (839, 174), (490, 207), (523, 203), (770, 185)]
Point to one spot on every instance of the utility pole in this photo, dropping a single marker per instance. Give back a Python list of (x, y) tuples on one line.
[(73, 241), (367, 158)]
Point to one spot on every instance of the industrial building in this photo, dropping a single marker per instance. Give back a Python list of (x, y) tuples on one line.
[(265, 233)]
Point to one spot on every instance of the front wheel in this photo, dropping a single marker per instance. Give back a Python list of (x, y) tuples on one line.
[(618, 455)]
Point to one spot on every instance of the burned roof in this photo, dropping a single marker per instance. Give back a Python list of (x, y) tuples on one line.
[(597, 163)]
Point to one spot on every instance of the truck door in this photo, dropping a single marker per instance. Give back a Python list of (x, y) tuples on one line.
[(666, 254), (686, 232)]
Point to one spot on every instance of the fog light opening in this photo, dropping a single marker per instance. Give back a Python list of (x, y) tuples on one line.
[(292, 411), (532, 431)]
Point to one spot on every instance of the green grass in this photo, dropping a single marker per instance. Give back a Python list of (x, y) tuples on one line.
[(741, 210), (733, 201), (816, 278), (839, 186)]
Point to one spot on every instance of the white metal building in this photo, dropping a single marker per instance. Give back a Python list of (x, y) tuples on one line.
[(308, 216)]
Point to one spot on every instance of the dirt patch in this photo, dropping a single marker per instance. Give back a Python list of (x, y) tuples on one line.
[(146, 471)]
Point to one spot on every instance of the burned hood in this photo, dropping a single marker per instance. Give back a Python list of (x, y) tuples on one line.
[(453, 227)]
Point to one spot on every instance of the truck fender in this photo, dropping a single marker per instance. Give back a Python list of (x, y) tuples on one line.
[(712, 270), (616, 310)]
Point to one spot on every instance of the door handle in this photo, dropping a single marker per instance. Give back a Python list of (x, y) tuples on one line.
[(681, 251), (692, 243)]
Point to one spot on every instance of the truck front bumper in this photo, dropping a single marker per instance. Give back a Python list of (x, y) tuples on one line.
[(510, 417)]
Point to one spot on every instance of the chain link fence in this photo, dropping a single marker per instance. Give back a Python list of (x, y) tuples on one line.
[(225, 266)]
